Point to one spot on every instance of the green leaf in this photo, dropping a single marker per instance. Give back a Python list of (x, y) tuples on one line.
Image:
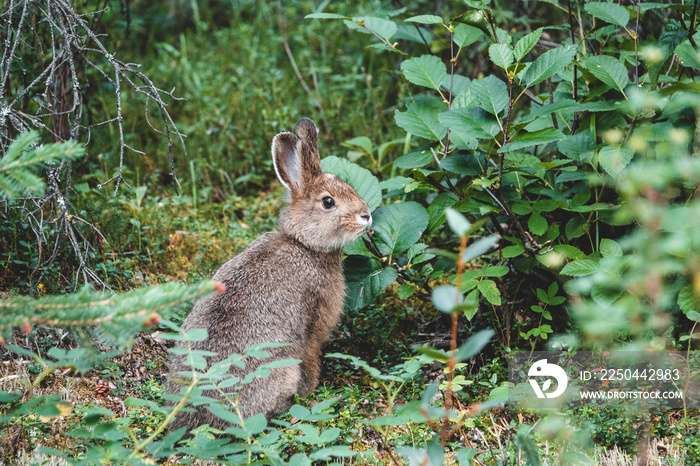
[(548, 64), (501, 55), (365, 278), (462, 164), (426, 70), (325, 16), (382, 27), (610, 248), (490, 291), (328, 453), (470, 306), (687, 301), (405, 291), (608, 12), (535, 138), (480, 247), (416, 159), (604, 295), (436, 354), (470, 120), (425, 19), (436, 209), (688, 55), (421, 119), (361, 179), (255, 424), (614, 158), (465, 456), (446, 297), (398, 226), (465, 35), (363, 142), (568, 251), (457, 222), (537, 224), (526, 44), (474, 344), (580, 267), (513, 251), (491, 94), (608, 69)]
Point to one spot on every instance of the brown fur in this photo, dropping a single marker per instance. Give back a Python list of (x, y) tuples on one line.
[(287, 286)]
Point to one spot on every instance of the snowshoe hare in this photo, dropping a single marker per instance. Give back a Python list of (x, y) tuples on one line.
[(287, 286)]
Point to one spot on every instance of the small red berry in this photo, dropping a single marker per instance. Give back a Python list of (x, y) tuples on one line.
[(26, 328), (219, 288), (155, 319), (2, 341)]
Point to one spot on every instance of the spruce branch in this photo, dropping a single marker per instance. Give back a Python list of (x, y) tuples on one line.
[(89, 307)]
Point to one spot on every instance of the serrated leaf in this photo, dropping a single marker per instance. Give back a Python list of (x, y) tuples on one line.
[(687, 301), (416, 159), (491, 94), (608, 12), (490, 291), (361, 179), (471, 121), (610, 248), (580, 267), (425, 19), (501, 55), (465, 35), (513, 251), (526, 44), (609, 70), (405, 291), (568, 251), (614, 158), (426, 70), (535, 138), (398, 226), (548, 64), (537, 224), (688, 55), (365, 278), (421, 119)]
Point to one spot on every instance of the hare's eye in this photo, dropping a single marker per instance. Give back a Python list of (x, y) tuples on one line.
[(328, 202)]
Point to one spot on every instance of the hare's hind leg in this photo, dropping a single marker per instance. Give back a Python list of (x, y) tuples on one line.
[(270, 395), (310, 369)]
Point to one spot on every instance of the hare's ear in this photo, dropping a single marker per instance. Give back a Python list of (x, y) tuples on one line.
[(286, 160), (310, 159)]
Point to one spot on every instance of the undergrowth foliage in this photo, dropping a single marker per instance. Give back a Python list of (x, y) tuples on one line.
[(545, 157)]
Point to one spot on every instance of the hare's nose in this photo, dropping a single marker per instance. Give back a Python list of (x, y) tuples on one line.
[(366, 220)]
